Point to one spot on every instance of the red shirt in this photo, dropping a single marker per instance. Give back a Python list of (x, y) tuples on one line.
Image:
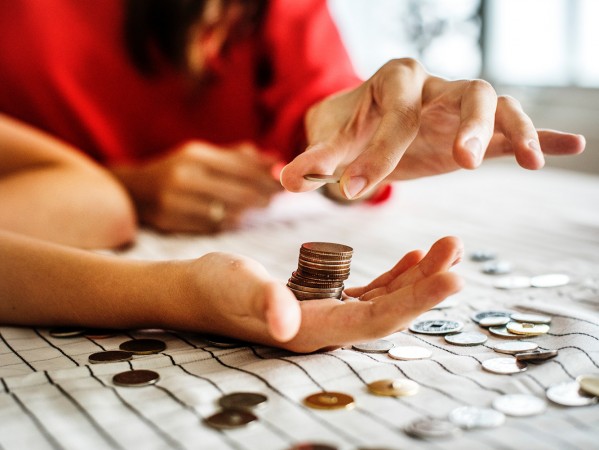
[(64, 69)]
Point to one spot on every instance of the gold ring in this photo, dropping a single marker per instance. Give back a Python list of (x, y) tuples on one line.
[(216, 211)]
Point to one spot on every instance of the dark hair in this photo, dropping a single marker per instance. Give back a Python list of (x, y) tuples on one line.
[(164, 26)]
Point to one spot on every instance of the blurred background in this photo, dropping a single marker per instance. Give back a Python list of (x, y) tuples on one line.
[(543, 52)]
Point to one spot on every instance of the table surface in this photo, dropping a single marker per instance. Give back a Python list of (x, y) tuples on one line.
[(542, 222)]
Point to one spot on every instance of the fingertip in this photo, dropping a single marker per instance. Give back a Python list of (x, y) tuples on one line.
[(468, 152)]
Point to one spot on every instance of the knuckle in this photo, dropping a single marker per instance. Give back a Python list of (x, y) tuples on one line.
[(508, 101), (404, 64), (478, 84)]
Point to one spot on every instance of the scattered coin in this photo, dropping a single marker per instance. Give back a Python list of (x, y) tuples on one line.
[(66, 332), (397, 387), (530, 318), (223, 341), (504, 366), (589, 384), (527, 328), (483, 255), (100, 333), (480, 315), (497, 321), (515, 282), (136, 378), (436, 326), (497, 268), (520, 405), (320, 178), (143, 346), (329, 400), (504, 332), (466, 338), (469, 417), (428, 428), (409, 352), (242, 400), (378, 346), (515, 347), (109, 356), (550, 280), (570, 394), (312, 446), (536, 355), (230, 418)]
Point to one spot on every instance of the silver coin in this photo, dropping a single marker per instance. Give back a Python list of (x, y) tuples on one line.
[(409, 352), (143, 346), (550, 280), (320, 178), (136, 378), (515, 347), (436, 326), (312, 446), (109, 356), (524, 328), (487, 322), (589, 384), (531, 318), (536, 355), (520, 405), (66, 332), (432, 428), (242, 400), (230, 418), (483, 255), (470, 417), (497, 268), (223, 341), (466, 338), (378, 346), (504, 332), (480, 315), (504, 366), (570, 394), (515, 282)]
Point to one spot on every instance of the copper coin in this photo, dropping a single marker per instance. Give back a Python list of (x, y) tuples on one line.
[(143, 346), (109, 356), (230, 418), (321, 178), (242, 400), (397, 387), (136, 378), (66, 332), (329, 400)]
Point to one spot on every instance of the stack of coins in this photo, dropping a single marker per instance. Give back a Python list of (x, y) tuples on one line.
[(322, 269)]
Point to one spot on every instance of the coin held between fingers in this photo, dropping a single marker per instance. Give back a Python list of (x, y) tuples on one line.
[(216, 211)]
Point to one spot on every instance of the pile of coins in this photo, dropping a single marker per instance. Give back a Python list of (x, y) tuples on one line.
[(322, 269)]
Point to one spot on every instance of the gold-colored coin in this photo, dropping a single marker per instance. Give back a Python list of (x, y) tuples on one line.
[(589, 384), (396, 387), (527, 328), (329, 400)]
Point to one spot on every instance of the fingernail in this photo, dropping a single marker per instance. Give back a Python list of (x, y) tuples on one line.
[(354, 186), (534, 145), (281, 174), (474, 146)]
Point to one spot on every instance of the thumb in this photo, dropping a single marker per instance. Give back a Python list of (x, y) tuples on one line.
[(281, 312)]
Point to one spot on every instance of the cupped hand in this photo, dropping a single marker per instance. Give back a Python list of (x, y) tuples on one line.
[(201, 188), (404, 123), (241, 300)]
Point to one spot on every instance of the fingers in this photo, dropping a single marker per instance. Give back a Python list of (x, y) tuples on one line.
[(282, 312), (322, 158)]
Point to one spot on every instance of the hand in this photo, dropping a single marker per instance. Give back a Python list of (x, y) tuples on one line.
[(404, 123), (234, 296), (199, 187)]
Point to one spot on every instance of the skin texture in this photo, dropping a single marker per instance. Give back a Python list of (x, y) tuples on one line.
[(51, 285)]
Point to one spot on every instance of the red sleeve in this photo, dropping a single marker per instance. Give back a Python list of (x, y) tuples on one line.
[(308, 62)]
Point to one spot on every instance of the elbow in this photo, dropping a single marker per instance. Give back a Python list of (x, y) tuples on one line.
[(115, 225)]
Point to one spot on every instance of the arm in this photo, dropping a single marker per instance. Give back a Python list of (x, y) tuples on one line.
[(50, 191)]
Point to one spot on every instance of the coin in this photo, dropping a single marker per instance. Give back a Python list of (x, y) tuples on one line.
[(100, 333), (527, 328), (589, 384), (242, 400), (497, 268), (428, 428), (466, 338), (483, 255), (143, 346), (312, 446), (109, 356), (487, 322), (229, 419), (520, 405), (396, 387), (503, 332), (480, 315), (409, 352), (329, 400), (549, 280), (320, 178), (378, 346), (223, 341), (66, 332), (327, 248), (470, 417), (136, 378), (515, 347), (504, 366), (536, 355), (436, 326), (570, 394), (515, 282), (531, 318)]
